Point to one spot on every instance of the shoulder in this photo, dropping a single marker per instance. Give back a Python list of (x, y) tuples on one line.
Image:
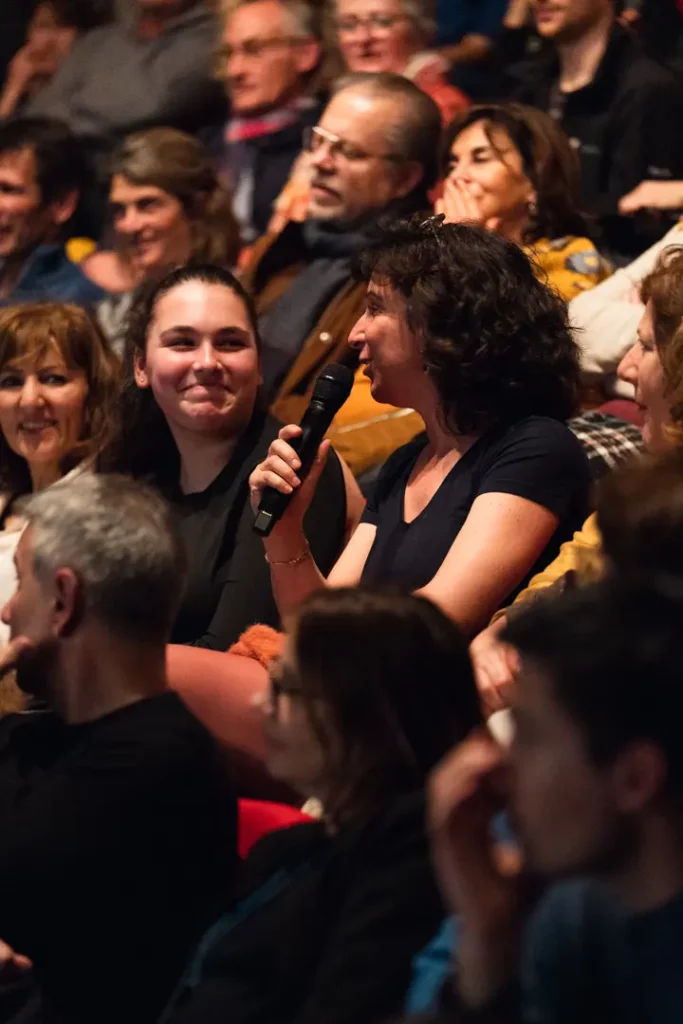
[(106, 270), (541, 435)]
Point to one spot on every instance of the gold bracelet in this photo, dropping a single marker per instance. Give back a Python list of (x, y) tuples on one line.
[(291, 561)]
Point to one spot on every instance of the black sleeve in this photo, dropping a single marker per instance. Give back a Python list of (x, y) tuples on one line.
[(391, 911), (642, 142), (247, 594), (539, 460)]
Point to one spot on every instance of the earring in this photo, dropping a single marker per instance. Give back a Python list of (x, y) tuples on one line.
[(532, 208)]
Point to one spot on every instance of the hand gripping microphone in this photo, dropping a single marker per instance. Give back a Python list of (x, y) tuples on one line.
[(330, 391)]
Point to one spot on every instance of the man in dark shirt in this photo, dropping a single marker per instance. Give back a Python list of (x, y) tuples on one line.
[(41, 180), (595, 783), (619, 108), (117, 822)]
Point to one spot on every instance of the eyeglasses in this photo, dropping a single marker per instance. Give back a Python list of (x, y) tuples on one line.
[(381, 24), (316, 138), (284, 682), (256, 48)]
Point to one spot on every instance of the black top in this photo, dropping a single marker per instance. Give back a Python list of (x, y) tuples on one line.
[(117, 846), (229, 584), (536, 458), (336, 945), (622, 124)]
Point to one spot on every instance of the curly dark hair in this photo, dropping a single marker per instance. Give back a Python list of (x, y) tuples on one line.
[(495, 340), (144, 446), (548, 161)]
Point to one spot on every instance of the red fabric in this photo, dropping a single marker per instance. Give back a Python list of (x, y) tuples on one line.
[(259, 817), (624, 409)]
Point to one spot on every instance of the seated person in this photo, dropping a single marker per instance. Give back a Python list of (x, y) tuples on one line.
[(59, 387), (166, 207), (510, 169), (118, 823), (654, 367), (192, 423), (594, 778), (54, 27), (395, 35), (466, 33), (153, 65), (371, 690), (41, 179), (616, 105), (458, 327), (374, 153), (271, 62)]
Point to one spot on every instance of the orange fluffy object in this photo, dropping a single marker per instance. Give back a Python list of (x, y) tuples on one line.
[(260, 643)]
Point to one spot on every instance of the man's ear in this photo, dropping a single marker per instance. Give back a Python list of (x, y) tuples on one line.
[(639, 776), (63, 209), (140, 370), (68, 602), (409, 176), (307, 55)]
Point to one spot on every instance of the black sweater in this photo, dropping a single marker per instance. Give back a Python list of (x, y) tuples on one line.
[(336, 946)]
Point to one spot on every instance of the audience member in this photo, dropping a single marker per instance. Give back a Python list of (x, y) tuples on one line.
[(510, 169), (52, 31), (615, 104), (41, 179), (192, 423), (271, 53), (594, 781), (394, 35), (167, 207), (370, 692), (654, 367), (58, 393), (374, 153), (463, 512), (152, 67), (118, 839), (466, 32)]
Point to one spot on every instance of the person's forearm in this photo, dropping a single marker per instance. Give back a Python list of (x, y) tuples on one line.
[(470, 50), (293, 571)]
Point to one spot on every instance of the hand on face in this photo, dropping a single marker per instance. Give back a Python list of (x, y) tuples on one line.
[(461, 203)]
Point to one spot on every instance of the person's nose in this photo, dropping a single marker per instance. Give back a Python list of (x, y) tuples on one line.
[(627, 369), (357, 336), (321, 158), (206, 357), (130, 221), (6, 613), (31, 394)]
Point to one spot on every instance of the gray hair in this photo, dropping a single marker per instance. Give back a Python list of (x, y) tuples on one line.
[(422, 14), (414, 132), (118, 537), (304, 18)]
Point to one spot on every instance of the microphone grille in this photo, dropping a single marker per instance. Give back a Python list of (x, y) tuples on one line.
[(334, 384)]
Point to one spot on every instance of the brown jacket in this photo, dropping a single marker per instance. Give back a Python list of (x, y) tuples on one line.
[(364, 433)]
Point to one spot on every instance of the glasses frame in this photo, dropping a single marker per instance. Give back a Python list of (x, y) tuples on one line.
[(336, 145)]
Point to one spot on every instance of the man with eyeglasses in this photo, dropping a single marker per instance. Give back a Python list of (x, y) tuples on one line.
[(270, 53), (394, 35), (373, 153)]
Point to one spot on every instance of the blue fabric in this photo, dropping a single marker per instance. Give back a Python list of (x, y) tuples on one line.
[(458, 18), (432, 966), (50, 274), (586, 959)]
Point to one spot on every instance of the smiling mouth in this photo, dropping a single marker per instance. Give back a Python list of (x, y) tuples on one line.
[(32, 427)]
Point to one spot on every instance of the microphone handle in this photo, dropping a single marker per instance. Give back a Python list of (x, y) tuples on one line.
[(314, 426)]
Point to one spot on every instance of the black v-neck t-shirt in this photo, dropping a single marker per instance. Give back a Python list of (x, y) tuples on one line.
[(536, 458), (228, 587)]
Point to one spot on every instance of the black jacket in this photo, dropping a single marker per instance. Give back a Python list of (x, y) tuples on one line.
[(625, 125), (270, 159), (336, 946)]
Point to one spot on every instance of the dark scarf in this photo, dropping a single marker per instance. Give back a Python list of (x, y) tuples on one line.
[(287, 325)]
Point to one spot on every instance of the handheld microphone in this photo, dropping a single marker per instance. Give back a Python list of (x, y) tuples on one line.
[(330, 391)]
